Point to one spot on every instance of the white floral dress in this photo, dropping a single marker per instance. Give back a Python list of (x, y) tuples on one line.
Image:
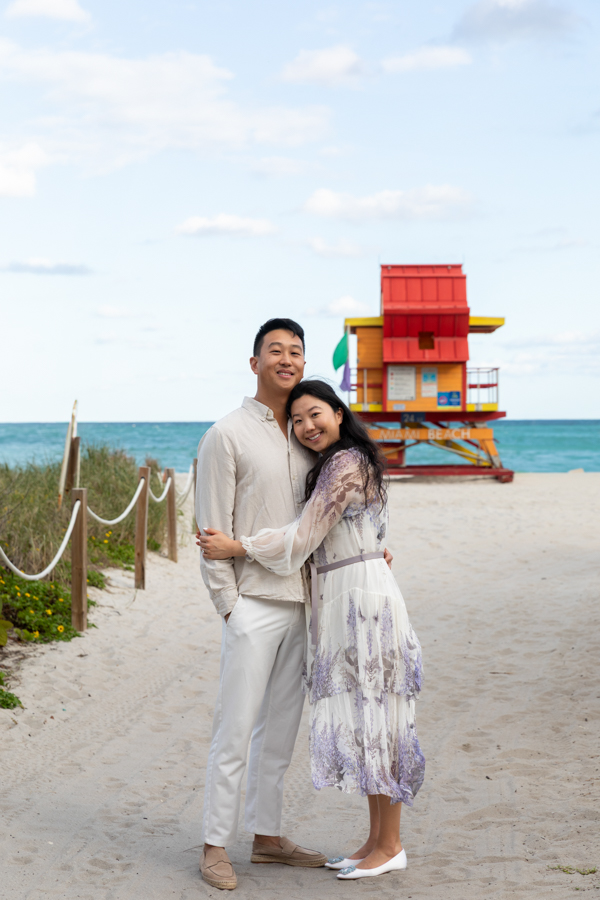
[(364, 674)]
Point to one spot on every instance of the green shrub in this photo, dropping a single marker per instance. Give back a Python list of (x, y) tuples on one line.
[(7, 700), (96, 579), (37, 610)]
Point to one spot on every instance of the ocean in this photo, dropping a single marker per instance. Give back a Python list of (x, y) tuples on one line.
[(534, 445)]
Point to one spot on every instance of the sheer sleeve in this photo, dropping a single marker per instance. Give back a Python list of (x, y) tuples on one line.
[(284, 550)]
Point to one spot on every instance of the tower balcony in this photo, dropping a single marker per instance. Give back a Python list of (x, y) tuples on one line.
[(482, 389)]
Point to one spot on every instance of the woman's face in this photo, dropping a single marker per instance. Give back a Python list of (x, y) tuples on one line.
[(316, 424)]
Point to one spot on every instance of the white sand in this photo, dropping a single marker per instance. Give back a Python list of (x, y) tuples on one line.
[(102, 775)]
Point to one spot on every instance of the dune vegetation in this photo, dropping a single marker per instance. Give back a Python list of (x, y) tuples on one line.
[(31, 530)]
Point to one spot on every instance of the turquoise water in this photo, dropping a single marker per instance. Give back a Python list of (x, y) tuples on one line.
[(524, 445)]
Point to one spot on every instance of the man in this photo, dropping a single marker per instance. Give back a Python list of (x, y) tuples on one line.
[(251, 475)]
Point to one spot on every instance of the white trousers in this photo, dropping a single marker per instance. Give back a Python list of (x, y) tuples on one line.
[(260, 699)]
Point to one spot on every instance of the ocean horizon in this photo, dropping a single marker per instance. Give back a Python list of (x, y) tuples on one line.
[(525, 445)]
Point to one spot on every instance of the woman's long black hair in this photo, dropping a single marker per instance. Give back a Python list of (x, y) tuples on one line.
[(353, 434)]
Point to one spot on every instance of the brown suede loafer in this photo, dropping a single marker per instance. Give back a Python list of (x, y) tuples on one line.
[(217, 870), (288, 853)]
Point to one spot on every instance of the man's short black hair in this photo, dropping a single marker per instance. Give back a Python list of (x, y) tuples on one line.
[(274, 325)]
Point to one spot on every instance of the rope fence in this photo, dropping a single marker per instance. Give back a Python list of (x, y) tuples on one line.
[(123, 514), (164, 493), (182, 496), (77, 529), (61, 550)]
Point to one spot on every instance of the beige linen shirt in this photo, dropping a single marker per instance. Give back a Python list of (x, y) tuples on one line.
[(249, 477)]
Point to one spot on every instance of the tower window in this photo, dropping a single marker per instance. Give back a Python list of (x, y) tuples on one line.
[(426, 340)]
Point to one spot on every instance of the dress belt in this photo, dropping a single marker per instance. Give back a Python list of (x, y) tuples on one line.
[(320, 570)]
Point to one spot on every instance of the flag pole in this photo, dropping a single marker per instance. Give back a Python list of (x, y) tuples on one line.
[(350, 385)]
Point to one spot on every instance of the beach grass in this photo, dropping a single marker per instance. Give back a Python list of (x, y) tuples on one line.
[(32, 527)]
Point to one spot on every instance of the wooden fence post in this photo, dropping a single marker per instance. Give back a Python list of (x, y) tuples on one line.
[(172, 516), (141, 530), (79, 562), (71, 481), (73, 465)]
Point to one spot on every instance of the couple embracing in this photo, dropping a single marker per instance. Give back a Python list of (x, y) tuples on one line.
[(292, 482)]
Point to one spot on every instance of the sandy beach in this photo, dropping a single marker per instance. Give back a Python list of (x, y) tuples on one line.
[(102, 772)]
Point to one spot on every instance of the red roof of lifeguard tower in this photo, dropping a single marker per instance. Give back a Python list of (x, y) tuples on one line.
[(425, 314)]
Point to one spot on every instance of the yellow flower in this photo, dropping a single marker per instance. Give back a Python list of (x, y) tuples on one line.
[(107, 534), (60, 600), (28, 595), (36, 634), (105, 542), (48, 612), (31, 611), (60, 627)]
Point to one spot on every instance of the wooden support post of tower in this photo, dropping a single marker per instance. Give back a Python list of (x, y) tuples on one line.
[(79, 562), (141, 530), (171, 516)]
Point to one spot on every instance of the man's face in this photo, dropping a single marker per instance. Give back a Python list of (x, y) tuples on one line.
[(280, 363)]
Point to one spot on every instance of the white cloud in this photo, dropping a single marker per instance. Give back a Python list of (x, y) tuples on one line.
[(331, 67), (17, 170), (279, 166), (552, 240), (442, 57), (343, 306), (108, 110), (503, 20), (225, 224), (429, 202), (348, 306), (568, 352), (112, 312), (131, 341), (38, 266), (69, 10), (343, 248), (562, 244)]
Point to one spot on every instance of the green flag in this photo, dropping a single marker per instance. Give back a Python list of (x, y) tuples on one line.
[(340, 354)]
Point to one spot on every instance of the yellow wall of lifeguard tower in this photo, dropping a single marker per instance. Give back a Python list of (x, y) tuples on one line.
[(369, 366)]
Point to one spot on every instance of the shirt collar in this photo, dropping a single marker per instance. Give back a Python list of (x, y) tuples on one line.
[(258, 409), (265, 414)]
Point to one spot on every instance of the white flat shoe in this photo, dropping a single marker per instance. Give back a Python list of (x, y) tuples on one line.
[(392, 865), (340, 862)]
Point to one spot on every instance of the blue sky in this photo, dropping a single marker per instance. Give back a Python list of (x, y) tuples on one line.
[(172, 174)]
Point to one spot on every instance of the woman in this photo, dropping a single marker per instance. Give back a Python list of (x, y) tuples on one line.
[(363, 670)]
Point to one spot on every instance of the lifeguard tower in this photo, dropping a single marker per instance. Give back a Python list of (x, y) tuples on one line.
[(412, 382)]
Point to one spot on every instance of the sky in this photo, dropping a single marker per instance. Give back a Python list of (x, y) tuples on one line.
[(174, 173)]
